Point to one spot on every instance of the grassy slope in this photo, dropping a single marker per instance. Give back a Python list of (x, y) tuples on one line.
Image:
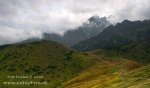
[(138, 51), (65, 68), (52, 60), (112, 72)]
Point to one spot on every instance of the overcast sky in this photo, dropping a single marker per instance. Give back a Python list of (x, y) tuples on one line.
[(22, 19)]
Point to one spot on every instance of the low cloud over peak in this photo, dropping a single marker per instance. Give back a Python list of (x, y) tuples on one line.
[(21, 19)]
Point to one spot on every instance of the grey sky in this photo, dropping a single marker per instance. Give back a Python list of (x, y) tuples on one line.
[(21, 19)]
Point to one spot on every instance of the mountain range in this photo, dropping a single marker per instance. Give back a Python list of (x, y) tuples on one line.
[(130, 39), (119, 35), (88, 29), (104, 56), (92, 27)]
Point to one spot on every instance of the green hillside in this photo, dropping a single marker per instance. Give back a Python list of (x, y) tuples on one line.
[(51, 65), (112, 72), (51, 60), (138, 51)]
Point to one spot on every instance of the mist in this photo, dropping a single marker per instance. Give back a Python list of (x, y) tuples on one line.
[(23, 19)]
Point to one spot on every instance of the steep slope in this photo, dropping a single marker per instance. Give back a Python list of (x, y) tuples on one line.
[(119, 35), (111, 72), (92, 27), (51, 62), (139, 51), (112, 76)]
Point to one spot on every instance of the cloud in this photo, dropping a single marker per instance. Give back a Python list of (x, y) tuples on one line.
[(22, 19)]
